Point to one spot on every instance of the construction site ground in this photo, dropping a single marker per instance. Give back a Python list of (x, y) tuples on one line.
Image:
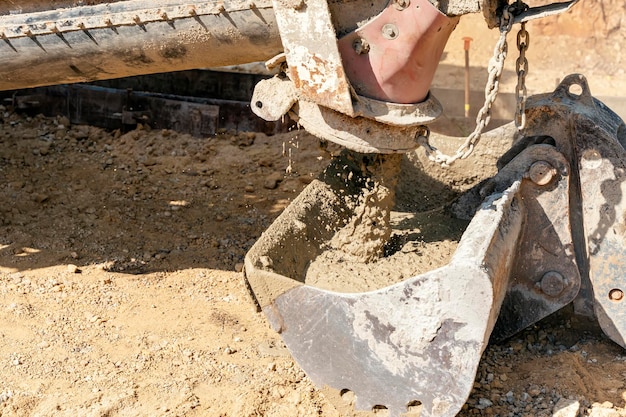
[(120, 259)]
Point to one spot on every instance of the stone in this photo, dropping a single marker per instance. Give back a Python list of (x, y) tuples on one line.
[(64, 121), (603, 410), (566, 408), (483, 403), (272, 181)]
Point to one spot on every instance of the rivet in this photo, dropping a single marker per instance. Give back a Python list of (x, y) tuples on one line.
[(552, 283), (591, 159), (541, 172), (137, 20), (390, 31), (616, 295), (164, 16), (347, 396)]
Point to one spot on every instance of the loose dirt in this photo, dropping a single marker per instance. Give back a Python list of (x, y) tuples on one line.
[(409, 252), (120, 284), (119, 287), (388, 237)]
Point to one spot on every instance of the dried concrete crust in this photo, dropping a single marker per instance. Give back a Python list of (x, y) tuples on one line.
[(457, 7)]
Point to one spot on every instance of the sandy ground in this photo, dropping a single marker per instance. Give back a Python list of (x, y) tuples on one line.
[(120, 290), (119, 293)]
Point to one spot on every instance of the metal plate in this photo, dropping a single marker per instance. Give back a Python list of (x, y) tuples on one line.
[(400, 67), (310, 43), (545, 277)]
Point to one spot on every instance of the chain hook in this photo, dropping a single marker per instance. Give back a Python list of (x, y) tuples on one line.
[(521, 66), (506, 19), (495, 68)]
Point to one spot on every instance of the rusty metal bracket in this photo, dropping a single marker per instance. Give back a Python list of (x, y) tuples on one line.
[(375, 127), (546, 10), (310, 42), (592, 138), (545, 275), (521, 12), (391, 102)]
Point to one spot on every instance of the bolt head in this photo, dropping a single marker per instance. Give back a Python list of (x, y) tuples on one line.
[(390, 31), (541, 173), (360, 46), (552, 283), (401, 4), (616, 295)]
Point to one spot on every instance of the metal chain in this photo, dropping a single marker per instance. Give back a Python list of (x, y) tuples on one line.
[(521, 65), (495, 67)]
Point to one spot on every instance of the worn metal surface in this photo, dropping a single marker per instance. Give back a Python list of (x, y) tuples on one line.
[(133, 37), (310, 43), (545, 251), (359, 134), (546, 10), (592, 139), (557, 116), (395, 114), (551, 229), (416, 341), (600, 138), (404, 45), (66, 41), (374, 127)]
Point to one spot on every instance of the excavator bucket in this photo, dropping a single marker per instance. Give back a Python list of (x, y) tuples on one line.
[(544, 231), (417, 342)]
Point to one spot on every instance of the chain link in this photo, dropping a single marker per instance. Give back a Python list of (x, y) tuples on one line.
[(521, 66), (495, 67)]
